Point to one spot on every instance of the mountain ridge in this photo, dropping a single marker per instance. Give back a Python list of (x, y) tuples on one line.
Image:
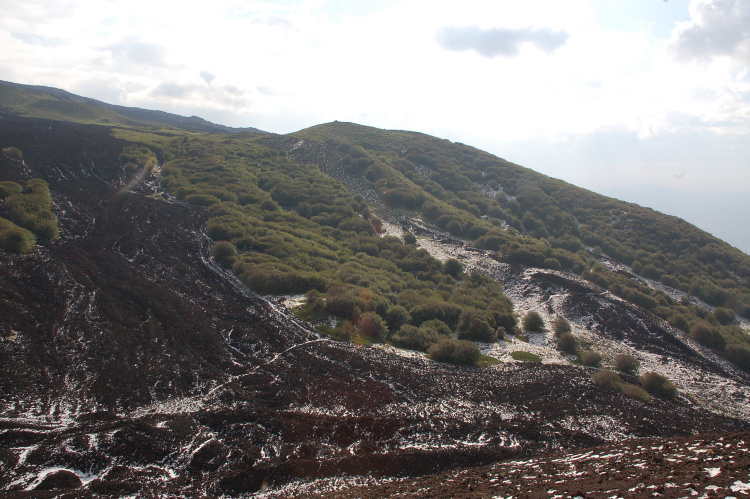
[(42, 107)]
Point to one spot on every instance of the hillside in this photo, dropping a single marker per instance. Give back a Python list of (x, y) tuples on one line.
[(149, 344), (51, 103)]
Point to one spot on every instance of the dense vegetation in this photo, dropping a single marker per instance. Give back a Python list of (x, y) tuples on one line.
[(531, 219), (30, 215), (284, 225)]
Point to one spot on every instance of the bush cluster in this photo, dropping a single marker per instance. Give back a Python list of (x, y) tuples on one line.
[(15, 239), (454, 351), (31, 210), (610, 380), (136, 157)]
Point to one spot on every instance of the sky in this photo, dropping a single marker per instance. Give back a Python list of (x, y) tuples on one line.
[(643, 100)]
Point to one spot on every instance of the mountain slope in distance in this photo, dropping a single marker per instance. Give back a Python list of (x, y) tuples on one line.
[(52, 103)]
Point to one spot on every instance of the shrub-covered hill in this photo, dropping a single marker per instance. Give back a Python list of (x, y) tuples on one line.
[(658, 262), (488, 200), (304, 213)]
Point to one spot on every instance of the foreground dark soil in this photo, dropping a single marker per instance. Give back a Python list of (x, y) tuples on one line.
[(131, 364), (705, 466)]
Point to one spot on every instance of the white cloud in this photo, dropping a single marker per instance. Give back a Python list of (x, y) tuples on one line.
[(499, 41), (131, 49), (717, 28)]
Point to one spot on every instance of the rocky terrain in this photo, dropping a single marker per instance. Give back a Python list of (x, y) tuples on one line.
[(132, 364), (706, 466)]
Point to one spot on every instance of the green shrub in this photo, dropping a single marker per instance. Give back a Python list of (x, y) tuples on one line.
[(31, 209), (436, 326), (454, 351), (47, 228), (224, 252), (590, 358), (396, 316), (414, 338), (12, 152), (472, 325), (610, 380), (533, 322), (567, 343), (524, 356), (707, 336), (372, 326), (739, 356), (626, 363), (15, 239), (453, 268), (9, 188), (635, 392), (679, 321), (500, 333), (607, 379), (507, 320), (202, 199), (560, 326), (725, 316), (657, 384), (410, 239), (136, 157)]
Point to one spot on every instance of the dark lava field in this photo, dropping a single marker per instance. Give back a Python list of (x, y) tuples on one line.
[(131, 364)]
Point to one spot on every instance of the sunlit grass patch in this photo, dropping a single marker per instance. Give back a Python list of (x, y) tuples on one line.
[(524, 356), (486, 360)]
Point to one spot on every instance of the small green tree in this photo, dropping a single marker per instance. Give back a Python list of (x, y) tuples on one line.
[(410, 239), (533, 322), (679, 321), (739, 356), (507, 320), (414, 338)]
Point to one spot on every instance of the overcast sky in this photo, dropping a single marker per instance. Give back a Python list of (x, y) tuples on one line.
[(611, 95)]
